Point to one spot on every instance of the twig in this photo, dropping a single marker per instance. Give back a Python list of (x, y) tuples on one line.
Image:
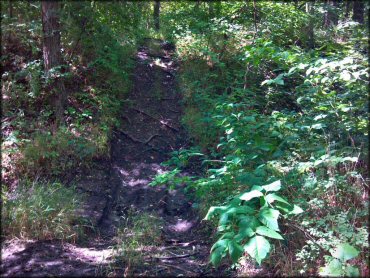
[(127, 118), (180, 268), (174, 257), (214, 160), (8, 119), (165, 98), (168, 72), (308, 235), (176, 243), (174, 111), (150, 116), (148, 149), (255, 18), (79, 38)]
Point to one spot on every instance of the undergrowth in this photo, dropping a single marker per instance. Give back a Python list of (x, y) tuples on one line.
[(43, 211), (139, 232), (265, 111)]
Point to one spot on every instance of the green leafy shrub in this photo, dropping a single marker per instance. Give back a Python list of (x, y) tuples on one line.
[(338, 265), (42, 211), (247, 220), (52, 154), (272, 111)]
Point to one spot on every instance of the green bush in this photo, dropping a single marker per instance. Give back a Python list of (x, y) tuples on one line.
[(52, 154)]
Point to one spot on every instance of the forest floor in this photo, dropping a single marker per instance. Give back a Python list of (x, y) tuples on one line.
[(150, 130)]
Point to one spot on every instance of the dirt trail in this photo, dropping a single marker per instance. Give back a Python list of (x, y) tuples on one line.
[(150, 130)]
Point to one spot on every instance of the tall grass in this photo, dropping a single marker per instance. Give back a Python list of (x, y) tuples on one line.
[(42, 211), (138, 232)]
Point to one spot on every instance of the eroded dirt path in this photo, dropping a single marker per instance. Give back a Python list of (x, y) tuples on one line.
[(150, 130)]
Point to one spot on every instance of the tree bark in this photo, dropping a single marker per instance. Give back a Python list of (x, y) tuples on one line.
[(196, 6), (358, 11), (255, 18), (157, 7), (310, 32), (10, 9), (348, 8), (210, 9), (52, 54), (331, 16)]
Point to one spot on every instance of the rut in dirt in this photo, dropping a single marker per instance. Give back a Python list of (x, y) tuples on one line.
[(151, 129)]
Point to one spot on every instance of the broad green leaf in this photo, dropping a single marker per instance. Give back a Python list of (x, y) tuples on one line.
[(224, 219), (264, 231), (279, 81), (228, 235), (334, 268), (248, 221), (218, 251), (273, 197), (345, 252), (269, 217), (275, 186), (352, 271), (221, 243), (214, 210), (244, 210), (257, 247), (235, 251), (296, 210), (352, 159), (216, 256), (346, 75), (257, 187), (244, 233), (247, 225), (250, 195)]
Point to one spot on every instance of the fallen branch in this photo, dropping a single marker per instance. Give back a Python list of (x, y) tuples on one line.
[(154, 118)]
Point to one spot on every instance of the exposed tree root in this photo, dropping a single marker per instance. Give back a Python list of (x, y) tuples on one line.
[(154, 118), (139, 141)]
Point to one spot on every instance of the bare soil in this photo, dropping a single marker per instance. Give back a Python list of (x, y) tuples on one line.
[(151, 129)]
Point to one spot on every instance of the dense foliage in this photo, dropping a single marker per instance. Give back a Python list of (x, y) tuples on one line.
[(275, 102)]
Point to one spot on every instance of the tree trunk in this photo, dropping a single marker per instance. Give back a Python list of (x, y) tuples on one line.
[(310, 32), (331, 16), (255, 18), (10, 9), (196, 6), (348, 8), (52, 54), (210, 9), (358, 11), (157, 7), (295, 3)]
